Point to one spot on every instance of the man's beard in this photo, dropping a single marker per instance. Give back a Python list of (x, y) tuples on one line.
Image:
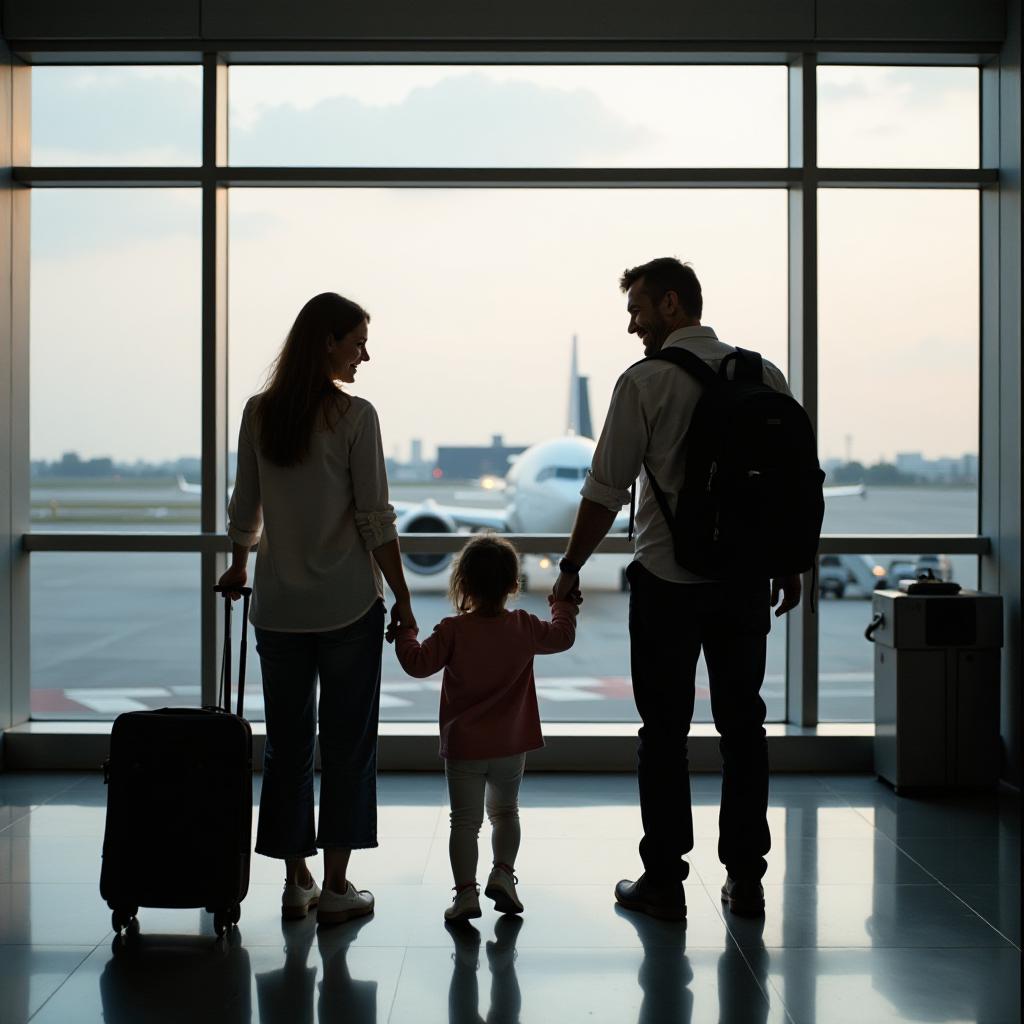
[(656, 335)]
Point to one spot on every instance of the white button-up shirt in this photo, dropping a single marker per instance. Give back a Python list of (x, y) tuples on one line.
[(317, 523), (648, 419)]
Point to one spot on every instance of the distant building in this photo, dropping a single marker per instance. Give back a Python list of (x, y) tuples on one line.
[(469, 463)]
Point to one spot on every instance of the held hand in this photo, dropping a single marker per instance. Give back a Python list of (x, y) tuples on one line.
[(234, 577), (564, 586), (401, 618), (790, 588)]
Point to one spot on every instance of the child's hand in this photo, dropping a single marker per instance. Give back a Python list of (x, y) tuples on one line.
[(574, 597)]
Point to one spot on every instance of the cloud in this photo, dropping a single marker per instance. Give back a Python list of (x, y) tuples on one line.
[(107, 115), (466, 120)]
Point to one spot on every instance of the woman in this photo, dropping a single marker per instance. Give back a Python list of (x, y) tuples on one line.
[(311, 487)]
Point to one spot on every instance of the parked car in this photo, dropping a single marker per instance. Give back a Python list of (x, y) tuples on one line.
[(900, 569), (857, 574)]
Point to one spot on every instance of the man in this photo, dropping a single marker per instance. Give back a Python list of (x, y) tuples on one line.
[(673, 613)]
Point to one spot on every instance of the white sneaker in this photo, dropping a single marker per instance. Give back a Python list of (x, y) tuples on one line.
[(296, 901), (465, 905), (335, 907), (501, 887)]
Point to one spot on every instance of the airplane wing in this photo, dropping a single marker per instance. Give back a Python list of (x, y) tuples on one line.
[(461, 515)]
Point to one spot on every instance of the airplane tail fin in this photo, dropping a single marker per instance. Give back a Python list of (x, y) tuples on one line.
[(579, 399)]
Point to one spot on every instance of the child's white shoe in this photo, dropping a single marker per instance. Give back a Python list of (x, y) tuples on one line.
[(465, 905), (501, 887)]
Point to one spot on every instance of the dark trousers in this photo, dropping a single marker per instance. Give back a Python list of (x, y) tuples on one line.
[(669, 623), (347, 662)]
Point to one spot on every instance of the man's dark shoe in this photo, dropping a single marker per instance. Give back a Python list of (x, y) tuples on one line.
[(745, 896), (663, 900)]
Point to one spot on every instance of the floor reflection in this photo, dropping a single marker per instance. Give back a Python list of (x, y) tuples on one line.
[(665, 972), (156, 978), (287, 995), (506, 999), (343, 997)]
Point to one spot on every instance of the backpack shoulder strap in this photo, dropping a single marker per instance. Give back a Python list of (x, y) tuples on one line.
[(687, 360), (749, 365)]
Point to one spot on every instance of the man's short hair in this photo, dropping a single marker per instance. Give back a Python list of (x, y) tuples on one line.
[(667, 274)]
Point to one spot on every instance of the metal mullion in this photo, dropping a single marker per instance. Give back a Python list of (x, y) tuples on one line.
[(107, 177), (15, 632), (508, 177), (935, 177), (213, 500), (530, 543), (505, 177), (802, 623)]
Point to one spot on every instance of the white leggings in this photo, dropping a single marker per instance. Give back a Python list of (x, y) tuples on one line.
[(467, 783)]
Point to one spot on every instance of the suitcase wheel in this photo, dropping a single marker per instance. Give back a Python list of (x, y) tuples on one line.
[(223, 920), (122, 917)]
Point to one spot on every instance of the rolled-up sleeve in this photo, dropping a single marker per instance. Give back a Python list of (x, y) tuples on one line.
[(245, 510), (375, 516), (620, 449)]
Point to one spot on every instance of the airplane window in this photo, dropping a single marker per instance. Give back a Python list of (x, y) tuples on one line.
[(562, 473)]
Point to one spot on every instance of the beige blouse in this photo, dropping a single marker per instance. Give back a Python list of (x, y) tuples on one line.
[(317, 524)]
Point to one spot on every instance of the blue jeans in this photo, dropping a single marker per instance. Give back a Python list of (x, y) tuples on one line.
[(347, 662)]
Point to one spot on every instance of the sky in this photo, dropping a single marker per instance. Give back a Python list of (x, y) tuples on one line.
[(475, 294)]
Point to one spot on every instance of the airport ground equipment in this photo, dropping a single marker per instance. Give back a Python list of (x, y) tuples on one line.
[(937, 687), (179, 805)]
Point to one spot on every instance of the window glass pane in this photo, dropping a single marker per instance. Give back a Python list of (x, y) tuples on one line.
[(898, 359), (846, 689), (113, 633), (508, 116), (898, 117), (475, 297), (117, 116), (115, 359)]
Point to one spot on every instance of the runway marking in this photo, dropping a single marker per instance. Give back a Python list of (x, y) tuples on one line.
[(400, 693)]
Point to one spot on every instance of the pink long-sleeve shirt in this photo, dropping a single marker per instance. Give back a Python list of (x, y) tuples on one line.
[(488, 694)]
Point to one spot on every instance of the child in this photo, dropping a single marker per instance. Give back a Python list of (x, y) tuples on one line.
[(488, 714)]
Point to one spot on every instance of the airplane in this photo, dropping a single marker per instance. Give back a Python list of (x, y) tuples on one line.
[(542, 488)]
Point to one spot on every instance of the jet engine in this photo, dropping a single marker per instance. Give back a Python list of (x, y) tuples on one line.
[(426, 520)]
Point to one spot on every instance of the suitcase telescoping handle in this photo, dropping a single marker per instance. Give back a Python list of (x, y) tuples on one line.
[(225, 668)]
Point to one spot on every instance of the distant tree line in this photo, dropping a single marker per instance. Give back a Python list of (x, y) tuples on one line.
[(71, 464), (887, 474)]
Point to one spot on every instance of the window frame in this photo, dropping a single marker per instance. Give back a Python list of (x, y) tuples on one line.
[(801, 178)]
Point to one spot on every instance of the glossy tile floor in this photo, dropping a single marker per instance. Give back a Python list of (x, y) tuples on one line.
[(880, 908)]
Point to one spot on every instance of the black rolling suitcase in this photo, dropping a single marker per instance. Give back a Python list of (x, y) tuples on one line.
[(179, 805)]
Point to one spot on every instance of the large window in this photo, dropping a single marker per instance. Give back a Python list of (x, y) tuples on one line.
[(483, 214)]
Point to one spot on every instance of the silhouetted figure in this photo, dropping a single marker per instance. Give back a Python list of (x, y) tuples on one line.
[(674, 612), (311, 487), (488, 716)]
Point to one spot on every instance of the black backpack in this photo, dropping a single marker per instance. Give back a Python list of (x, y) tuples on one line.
[(752, 501)]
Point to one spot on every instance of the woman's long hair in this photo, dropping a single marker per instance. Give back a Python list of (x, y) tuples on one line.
[(300, 394)]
